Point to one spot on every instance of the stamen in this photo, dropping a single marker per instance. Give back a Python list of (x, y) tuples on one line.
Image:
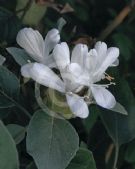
[(79, 89), (105, 85), (108, 77)]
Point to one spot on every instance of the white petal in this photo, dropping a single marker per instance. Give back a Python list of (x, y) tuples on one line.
[(77, 106), (112, 55), (45, 76), (101, 49), (50, 61), (70, 76), (115, 63), (77, 75), (32, 41), (74, 69), (61, 55), (25, 70), (52, 38), (103, 97), (92, 60), (2, 59), (79, 55)]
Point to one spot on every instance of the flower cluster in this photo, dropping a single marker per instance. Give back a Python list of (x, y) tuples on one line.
[(79, 73)]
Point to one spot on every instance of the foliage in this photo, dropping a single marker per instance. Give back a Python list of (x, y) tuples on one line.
[(55, 143)]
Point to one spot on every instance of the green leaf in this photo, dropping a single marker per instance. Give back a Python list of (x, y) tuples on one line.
[(20, 56), (83, 145), (8, 151), (119, 109), (130, 152), (10, 25), (2, 59), (51, 142), (92, 118), (83, 160), (31, 166), (9, 88), (5, 103), (4, 112), (61, 23), (17, 132), (121, 128)]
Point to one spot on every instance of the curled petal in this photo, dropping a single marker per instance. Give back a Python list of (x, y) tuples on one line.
[(61, 55), (112, 55), (77, 106), (43, 75), (52, 38), (115, 63), (32, 41), (103, 97)]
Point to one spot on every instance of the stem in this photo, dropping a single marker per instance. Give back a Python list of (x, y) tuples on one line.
[(116, 156), (16, 104)]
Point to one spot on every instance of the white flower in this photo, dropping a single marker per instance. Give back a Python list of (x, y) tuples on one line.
[(38, 48), (67, 85), (94, 64), (2, 59), (84, 70)]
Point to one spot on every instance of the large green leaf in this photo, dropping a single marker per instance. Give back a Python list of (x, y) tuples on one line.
[(83, 160), (120, 127), (31, 166), (51, 142), (9, 88), (5, 102), (8, 151), (20, 56), (17, 132), (92, 118)]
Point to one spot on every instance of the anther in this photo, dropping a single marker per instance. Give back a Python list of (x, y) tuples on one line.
[(108, 77)]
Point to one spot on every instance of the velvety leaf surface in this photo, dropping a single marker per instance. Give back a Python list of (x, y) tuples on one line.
[(8, 151), (9, 88), (17, 132), (51, 142), (83, 160), (20, 56), (120, 127)]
